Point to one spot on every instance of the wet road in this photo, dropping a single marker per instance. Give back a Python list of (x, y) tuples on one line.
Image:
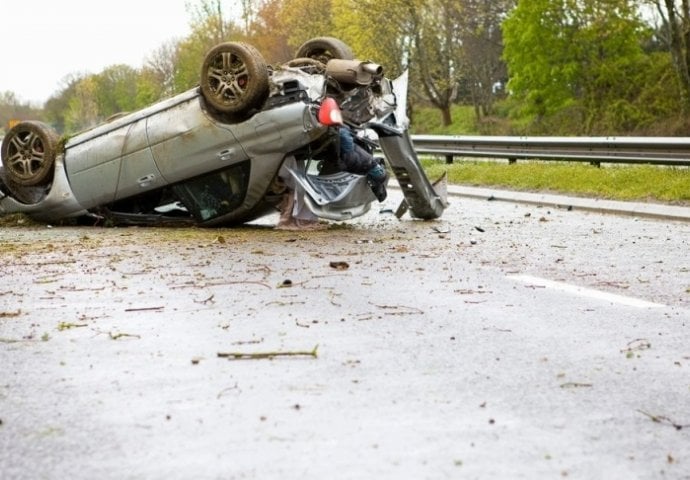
[(503, 341)]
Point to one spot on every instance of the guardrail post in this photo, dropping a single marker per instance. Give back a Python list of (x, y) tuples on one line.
[(449, 159)]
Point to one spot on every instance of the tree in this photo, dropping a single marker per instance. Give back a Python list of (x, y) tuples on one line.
[(160, 67), (57, 106), (419, 35), (250, 10), (444, 43), (301, 20), (269, 34), (482, 47), (115, 89), (436, 52), (675, 36), (376, 30), (209, 27), (572, 54), (11, 108), (82, 109), (8, 108)]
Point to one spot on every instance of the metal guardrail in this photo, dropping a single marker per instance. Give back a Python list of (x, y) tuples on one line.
[(643, 150)]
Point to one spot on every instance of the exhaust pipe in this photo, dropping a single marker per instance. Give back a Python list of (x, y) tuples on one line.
[(354, 72)]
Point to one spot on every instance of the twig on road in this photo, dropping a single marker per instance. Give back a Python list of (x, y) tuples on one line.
[(68, 325), (267, 355), (143, 309), (575, 385), (662, 419), (399, 309), (220, 283), (117, 336)]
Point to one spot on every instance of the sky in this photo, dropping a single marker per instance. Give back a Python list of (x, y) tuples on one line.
[(44, 41)]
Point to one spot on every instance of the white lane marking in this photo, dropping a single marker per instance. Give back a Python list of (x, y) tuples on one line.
[(585, 292)]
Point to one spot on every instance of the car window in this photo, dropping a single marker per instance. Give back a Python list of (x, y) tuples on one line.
[(215, 194)]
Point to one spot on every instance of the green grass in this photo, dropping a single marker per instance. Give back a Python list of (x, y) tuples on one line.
[(426, 120), (639, 183)]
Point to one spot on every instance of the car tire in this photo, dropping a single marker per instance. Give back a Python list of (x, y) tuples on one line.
[(28, 153), (234, 78), (324, 49)]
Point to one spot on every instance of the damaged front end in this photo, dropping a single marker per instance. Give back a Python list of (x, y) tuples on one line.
[(374, 107)]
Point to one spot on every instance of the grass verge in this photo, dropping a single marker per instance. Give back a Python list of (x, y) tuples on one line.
[(633, 183)]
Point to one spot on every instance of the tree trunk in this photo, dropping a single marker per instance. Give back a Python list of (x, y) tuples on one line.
[(447, 119), (685, 32), (679, 40)]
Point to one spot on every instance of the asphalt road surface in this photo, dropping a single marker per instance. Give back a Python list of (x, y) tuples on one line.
[(502, 341)]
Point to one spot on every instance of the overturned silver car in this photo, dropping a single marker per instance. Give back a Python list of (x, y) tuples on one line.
[(225, 152)]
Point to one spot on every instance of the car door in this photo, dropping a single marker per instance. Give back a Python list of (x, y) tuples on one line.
[(97, 160), (138, 171), (186, 142)]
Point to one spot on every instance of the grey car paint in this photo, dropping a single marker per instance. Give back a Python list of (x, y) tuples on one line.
[(180, 139), (166, 143)]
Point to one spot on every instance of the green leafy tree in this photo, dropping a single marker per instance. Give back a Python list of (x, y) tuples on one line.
[(572, 54), (57, 106), (376, 30), (646, 102), (82, 109), (116, 90), (149, 88)]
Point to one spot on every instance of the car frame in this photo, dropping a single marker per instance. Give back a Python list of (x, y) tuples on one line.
[(217, 153)]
